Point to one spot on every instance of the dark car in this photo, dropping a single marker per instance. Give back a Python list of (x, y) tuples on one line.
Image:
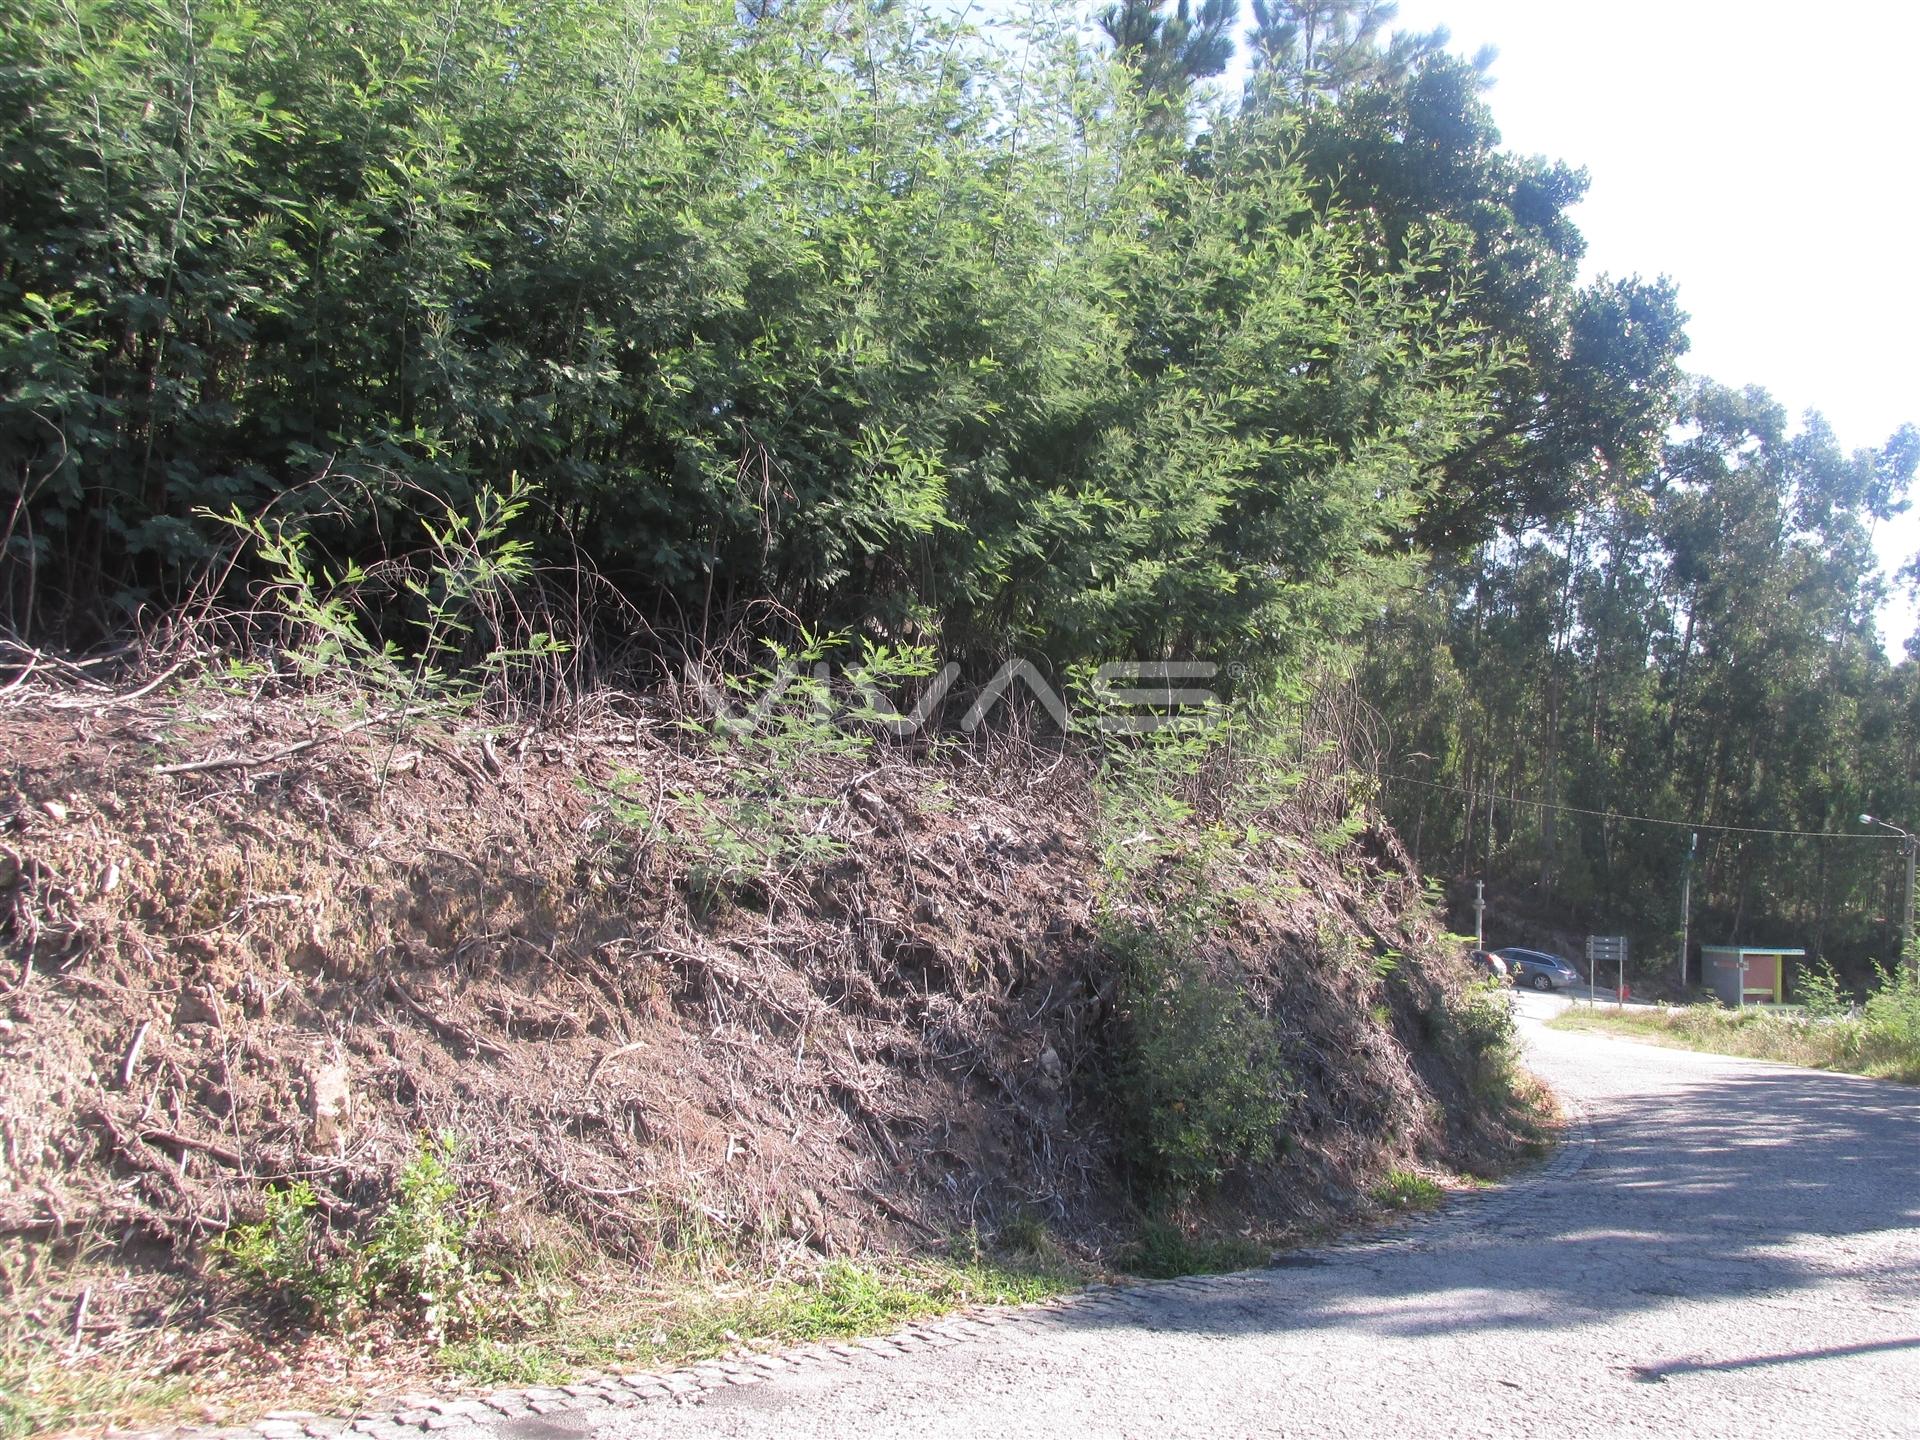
[(1539, 969)]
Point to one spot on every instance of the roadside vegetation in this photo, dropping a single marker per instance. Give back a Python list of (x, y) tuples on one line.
[(700, 1035), (1880, 1037), (488, 884)]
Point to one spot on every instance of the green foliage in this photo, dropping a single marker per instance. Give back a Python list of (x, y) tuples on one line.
[(895, 324), (1577, 381), (416, 1261), (1818, 990), (283, 1253), (454, 598), (1482, 1020), (1199, 1088), (419, 1257), (1890, 1020), (774, 728), (1697, 643), (1404, 1190), (1166, 1251)]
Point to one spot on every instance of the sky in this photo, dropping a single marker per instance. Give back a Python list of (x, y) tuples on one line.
[(1763, 157)]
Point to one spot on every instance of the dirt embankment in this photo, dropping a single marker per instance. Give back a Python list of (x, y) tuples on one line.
[(236, 975)]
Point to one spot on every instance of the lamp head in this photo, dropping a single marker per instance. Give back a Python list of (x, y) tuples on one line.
[(1868, 820)]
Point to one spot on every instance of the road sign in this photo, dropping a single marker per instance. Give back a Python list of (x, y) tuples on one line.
[(1608, 950)]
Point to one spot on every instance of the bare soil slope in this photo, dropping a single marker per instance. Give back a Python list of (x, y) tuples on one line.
[(230, 976)]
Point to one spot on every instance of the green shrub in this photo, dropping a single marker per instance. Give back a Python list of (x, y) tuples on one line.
[(1198, 1088), (419, 1258), (417, 1261), (1818, 990), (284, 1253), (1481, 1021), (455, 598), (1404, 1190), (1891, 1016)]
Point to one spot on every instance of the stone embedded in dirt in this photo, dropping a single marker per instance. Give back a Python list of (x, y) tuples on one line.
[(330, 1103), (197, 1005)]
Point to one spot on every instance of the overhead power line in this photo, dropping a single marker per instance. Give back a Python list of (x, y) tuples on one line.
[(1640, 819)]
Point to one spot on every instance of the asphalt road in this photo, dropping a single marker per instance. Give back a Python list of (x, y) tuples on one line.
[(1724, 1247)]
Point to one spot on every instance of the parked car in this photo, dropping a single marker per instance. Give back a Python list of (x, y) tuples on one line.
[(1491, 966), (1539, 969)]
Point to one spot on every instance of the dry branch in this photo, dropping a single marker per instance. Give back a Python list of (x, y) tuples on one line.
[(287, 752)]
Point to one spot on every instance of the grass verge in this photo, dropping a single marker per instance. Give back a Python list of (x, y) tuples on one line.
[(1857, 1046), (43, 1391), (62, 1367), (680, 1325)]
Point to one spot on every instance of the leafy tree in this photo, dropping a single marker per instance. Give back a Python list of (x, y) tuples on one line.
[(1695, 647), (1167, 47), (1580, 379), (1324, 48)]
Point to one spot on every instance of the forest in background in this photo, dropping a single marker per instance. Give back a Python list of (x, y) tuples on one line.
[(981, 341)]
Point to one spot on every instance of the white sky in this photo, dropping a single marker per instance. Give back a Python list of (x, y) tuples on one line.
[(1760, 155)]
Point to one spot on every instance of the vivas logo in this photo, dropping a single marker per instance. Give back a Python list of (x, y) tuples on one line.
[(1131, 697)]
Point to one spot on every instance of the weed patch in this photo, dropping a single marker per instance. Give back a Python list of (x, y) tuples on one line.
[(1404, 1190), (417, 1261), (1165, 1250), (677, 1325)]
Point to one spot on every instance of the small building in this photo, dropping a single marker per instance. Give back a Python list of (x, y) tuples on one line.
[(1747, 974)]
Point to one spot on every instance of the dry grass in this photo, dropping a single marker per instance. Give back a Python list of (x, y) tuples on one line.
[(81, 1344)]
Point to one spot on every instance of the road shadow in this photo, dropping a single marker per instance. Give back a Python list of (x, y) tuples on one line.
[(1656, 1374), (1706, 1189)]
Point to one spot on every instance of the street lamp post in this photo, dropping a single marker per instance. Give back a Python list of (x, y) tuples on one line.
[(1908, 847)]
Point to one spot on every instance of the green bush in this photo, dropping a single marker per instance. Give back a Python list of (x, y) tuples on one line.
[(417, 1260), (1891, 1016), (1199, 1088), (1818, 990), (1481, 1021), (282, 1252)]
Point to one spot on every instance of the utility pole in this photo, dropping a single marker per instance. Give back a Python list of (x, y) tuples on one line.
[(1912, 955), (1908, 844), (1686, 905), (1480, 913)]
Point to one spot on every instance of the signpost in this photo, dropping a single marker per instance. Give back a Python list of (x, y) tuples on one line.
[(1600, 950)]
